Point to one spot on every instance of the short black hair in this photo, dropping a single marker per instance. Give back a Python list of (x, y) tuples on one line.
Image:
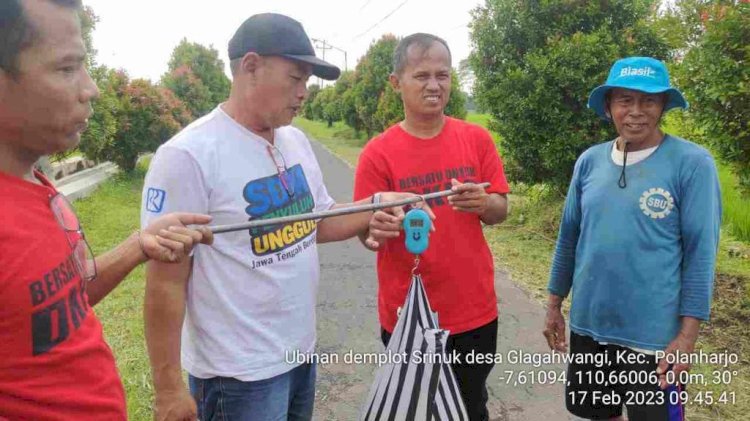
[(423, 40), (17, 33)]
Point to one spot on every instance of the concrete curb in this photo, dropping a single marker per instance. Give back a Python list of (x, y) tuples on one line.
[(83, 183)]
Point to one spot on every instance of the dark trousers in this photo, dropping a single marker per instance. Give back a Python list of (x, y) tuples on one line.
[(471, 378), (629, 380)]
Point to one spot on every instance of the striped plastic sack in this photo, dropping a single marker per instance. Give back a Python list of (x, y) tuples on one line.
[(421, 386)]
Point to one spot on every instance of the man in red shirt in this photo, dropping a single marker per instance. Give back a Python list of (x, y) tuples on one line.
[(54, 363), (429, 152)]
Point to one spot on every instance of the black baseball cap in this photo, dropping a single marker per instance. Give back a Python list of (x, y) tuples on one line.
[(272, 34)]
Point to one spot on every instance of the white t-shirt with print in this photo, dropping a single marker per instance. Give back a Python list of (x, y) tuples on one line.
[(252, 294)]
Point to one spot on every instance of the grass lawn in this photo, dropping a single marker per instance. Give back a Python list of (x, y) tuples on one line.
[(482, 120), (340, 139), (109, 216), (524, 245)]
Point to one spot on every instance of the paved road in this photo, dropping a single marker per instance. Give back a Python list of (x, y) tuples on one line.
[(347, 322)]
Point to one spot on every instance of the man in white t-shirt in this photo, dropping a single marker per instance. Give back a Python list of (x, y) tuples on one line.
[(250, 298)]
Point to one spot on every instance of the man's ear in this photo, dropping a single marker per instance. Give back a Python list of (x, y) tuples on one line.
[(251, 62), (395, 82)]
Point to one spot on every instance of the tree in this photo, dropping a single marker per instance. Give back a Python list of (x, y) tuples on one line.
[(347, 107), (325, 106), (716, 78), (390, 108), (371, 77), (131, 117), (535, 64), (465, 76), (312, 92), (88, 23), (196, 76), (97, 141), (190, 89), (456, 106), (150, 115), (680, 24)]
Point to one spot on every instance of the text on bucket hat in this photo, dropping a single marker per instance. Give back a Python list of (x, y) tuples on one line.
[(272, 34), (643, 74)]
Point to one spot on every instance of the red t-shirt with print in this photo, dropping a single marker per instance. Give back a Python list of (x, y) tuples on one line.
[(54, 363), (457, 268)]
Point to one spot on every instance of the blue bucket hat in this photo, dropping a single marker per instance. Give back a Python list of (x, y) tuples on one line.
[(643, 74)]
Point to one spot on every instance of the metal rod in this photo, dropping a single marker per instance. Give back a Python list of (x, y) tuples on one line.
[(219, 229)]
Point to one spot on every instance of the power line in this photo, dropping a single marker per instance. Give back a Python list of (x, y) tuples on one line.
[(327, 46), (364, 5), (382, 20), (323, 47), (463, 25)]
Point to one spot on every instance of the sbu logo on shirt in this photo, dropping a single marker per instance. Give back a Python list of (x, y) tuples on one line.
[(656, 203), (267, 198)]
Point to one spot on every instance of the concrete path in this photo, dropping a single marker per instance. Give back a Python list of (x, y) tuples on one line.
[(347, 323)]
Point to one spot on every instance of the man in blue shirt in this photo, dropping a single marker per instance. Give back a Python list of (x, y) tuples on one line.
[(637, 245)]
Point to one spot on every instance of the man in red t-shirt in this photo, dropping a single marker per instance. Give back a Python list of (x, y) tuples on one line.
[(429, 152), (54, 363)]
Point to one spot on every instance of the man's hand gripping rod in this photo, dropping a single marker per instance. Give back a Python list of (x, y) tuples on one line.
[(219, 229)]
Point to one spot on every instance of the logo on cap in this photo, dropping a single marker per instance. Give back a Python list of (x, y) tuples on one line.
[(638, 71)]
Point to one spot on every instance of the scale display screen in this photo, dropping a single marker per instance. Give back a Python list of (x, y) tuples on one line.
[(417, 230)]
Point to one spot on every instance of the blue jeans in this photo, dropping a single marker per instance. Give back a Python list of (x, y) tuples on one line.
[(288, 396)]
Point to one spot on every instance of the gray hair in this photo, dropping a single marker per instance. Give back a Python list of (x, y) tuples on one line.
[(234, 65)]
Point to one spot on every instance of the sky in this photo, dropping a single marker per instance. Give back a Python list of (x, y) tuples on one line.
[(139, 35)]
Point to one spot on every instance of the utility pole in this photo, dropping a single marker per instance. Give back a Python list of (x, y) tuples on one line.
[(324, 45), (321, 45)]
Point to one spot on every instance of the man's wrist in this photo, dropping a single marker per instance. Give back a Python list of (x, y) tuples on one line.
[(689, 335), (690, 326), (168, 380), (376, 198), (144, 257), (554, 302), (133, 249)]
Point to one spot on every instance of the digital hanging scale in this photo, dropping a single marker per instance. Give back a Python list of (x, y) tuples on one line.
[(417, 230)]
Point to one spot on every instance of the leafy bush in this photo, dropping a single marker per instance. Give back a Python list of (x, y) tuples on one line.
[(312, 92), (326, 106), (371, 77), (130, 118), (196, 75), (535, 64), (716, 78)]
